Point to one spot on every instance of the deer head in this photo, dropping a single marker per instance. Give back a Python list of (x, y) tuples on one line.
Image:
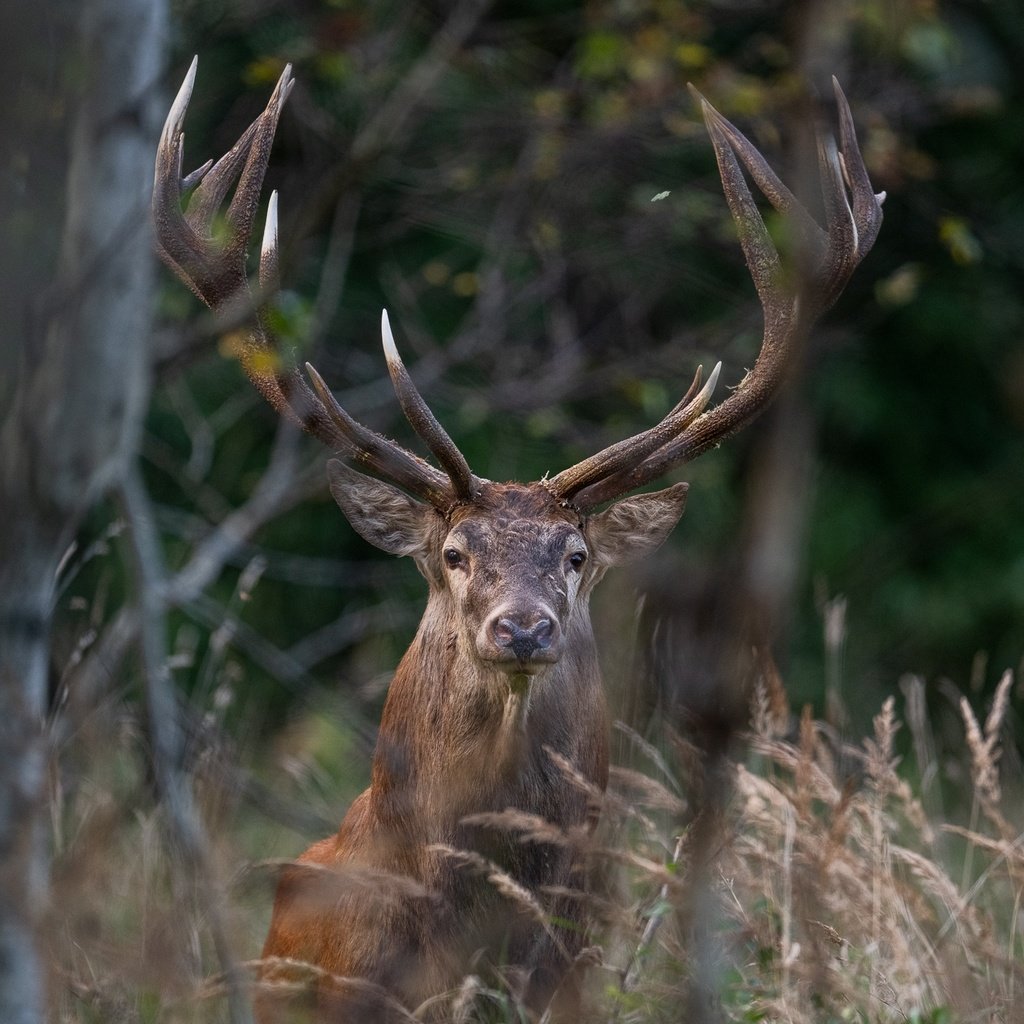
[(509, 564)]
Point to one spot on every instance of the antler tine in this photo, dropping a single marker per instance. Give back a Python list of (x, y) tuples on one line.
[(382, 455), (618, 457), (172, 140), (244, 203), (852, 208), (867, 204), (269, 261), (790, 309), (840, 256), (808, 233), (178, 245), (763, 262), (317, 410), (216, 271), (423, 421), (692, 390), (282, 387)]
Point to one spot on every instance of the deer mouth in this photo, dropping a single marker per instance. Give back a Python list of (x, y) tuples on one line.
[(528, 666)]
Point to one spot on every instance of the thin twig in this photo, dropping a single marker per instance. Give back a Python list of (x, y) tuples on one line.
[(167, 737), (270, 494), (654, 920)]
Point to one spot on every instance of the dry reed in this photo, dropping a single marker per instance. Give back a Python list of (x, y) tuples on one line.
[(831, 891)]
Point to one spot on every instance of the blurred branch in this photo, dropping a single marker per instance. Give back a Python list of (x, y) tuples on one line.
[(349, 628), (201, 434), (274, 492), (166, 736), (287, 566), (92, 675), (267, 500), (418, 82), (393, 114), (335, 267), (275, 662)]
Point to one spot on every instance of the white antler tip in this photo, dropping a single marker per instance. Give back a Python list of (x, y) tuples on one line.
[(190, 77), (285, 84), (388, 340), (176, 115), (319, 385), (270, 229), (713, 379)]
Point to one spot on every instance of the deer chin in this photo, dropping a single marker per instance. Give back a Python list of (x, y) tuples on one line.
[(519, 672)]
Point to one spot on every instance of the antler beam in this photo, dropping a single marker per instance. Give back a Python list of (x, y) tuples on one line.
[(827, 257), (216, 271)]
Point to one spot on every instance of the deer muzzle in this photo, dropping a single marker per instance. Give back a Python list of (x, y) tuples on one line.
[(522, 642)]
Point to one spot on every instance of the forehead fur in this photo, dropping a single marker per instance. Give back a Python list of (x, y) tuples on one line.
[(505, 503)]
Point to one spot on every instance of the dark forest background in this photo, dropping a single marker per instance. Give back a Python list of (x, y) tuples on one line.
[(529, 190), (503, 212)]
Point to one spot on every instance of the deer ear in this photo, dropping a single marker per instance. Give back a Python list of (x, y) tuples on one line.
[(634, 527), (378, 512)]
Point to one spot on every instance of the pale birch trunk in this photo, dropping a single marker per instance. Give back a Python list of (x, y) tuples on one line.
[(78, 126)]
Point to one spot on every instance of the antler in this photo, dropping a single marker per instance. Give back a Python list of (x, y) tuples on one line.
[(828, 257), (216, 271)]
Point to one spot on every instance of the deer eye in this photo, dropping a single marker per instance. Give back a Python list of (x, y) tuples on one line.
[(453, 558), (576, 560)]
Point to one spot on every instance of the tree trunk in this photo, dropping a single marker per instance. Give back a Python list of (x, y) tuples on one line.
[(79, 124)]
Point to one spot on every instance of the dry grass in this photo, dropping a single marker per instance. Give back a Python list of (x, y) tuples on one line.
[(821, 891), (837, 899)]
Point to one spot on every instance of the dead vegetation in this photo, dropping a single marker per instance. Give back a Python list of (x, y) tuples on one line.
[(825, 888)]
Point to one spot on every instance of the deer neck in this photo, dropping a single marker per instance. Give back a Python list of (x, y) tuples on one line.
[(458, 736)]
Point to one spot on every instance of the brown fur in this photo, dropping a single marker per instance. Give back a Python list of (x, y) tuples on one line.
[(463, 735)]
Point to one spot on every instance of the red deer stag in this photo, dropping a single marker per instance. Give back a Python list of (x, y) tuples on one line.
[(500, 689)]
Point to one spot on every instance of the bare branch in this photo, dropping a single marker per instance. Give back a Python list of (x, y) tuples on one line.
[(167, 738)]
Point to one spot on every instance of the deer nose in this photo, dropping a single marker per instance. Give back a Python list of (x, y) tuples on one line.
[(522, 641)]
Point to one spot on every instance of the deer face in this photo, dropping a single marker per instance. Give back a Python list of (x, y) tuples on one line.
[(515, 573), (515, 564)]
